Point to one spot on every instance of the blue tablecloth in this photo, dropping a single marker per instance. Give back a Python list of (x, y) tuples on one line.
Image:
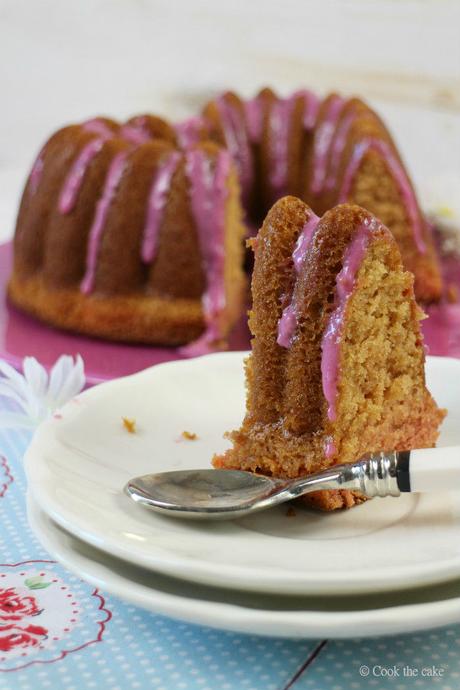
[(57, 632)]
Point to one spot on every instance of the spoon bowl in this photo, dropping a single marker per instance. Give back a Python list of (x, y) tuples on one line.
[(203, 493)]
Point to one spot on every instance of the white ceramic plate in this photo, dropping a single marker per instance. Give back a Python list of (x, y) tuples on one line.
[(249, 612), (78, 463)]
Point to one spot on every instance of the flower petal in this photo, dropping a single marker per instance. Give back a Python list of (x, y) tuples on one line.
[(13, 377), (37, 394), (72, 381), (35, 376), (13, 419), (59, 373), (8, 391)]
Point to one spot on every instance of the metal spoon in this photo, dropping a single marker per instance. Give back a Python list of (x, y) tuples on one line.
[(227, 494)]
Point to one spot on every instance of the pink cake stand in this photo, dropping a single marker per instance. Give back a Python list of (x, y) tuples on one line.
[(441, 329), (21, 335)]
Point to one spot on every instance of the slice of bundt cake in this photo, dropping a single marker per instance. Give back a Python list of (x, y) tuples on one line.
[(123, 236), (337, 364)]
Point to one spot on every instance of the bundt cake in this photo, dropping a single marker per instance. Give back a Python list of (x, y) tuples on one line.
[(133, 232), (121, 235), (337, 363)]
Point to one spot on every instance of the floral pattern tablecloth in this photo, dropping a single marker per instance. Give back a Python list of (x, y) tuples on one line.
[(59, 633)]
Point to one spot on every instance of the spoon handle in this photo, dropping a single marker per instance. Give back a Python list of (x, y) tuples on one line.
[(429, 469), (390, 473)]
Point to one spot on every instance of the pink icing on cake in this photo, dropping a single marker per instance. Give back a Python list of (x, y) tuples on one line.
[(208, 194), (288, 322), (36, 172), (287, 325), (237, 142), (112, 180), (74, 178), (330, 449), (345, 283), (311, 106), (304, 241), (136, 134), (280, 117), (97, 126), (189, 131), (254, 113), (156, 204), (322, 143), (338, 146)]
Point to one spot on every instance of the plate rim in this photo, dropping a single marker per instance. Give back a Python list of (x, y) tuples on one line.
[(222, 615), (204, 572)]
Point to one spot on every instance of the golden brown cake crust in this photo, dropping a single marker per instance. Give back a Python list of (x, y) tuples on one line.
[(125, 318)]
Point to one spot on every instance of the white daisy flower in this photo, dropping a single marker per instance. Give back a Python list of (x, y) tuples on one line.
[(35, 393)]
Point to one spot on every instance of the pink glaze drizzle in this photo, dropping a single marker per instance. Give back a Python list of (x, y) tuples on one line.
[(304, 241), (280, 117), (36, 172), (156, 204), (287, 325), (399, 175), (208, 194), (330, 449), (345, 283), (237, 141), (74, 178), (189, 131), (97, 126), (136, 134), (254, 114), (288, 322), (311, 106), (322, 143), (95, 235), (337, 148), (136, 130)]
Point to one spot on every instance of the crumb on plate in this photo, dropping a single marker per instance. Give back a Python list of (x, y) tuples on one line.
[(290, 512), (129, 424), (189, 436)]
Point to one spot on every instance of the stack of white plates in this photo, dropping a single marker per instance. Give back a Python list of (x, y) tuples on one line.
[(388, 566)]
